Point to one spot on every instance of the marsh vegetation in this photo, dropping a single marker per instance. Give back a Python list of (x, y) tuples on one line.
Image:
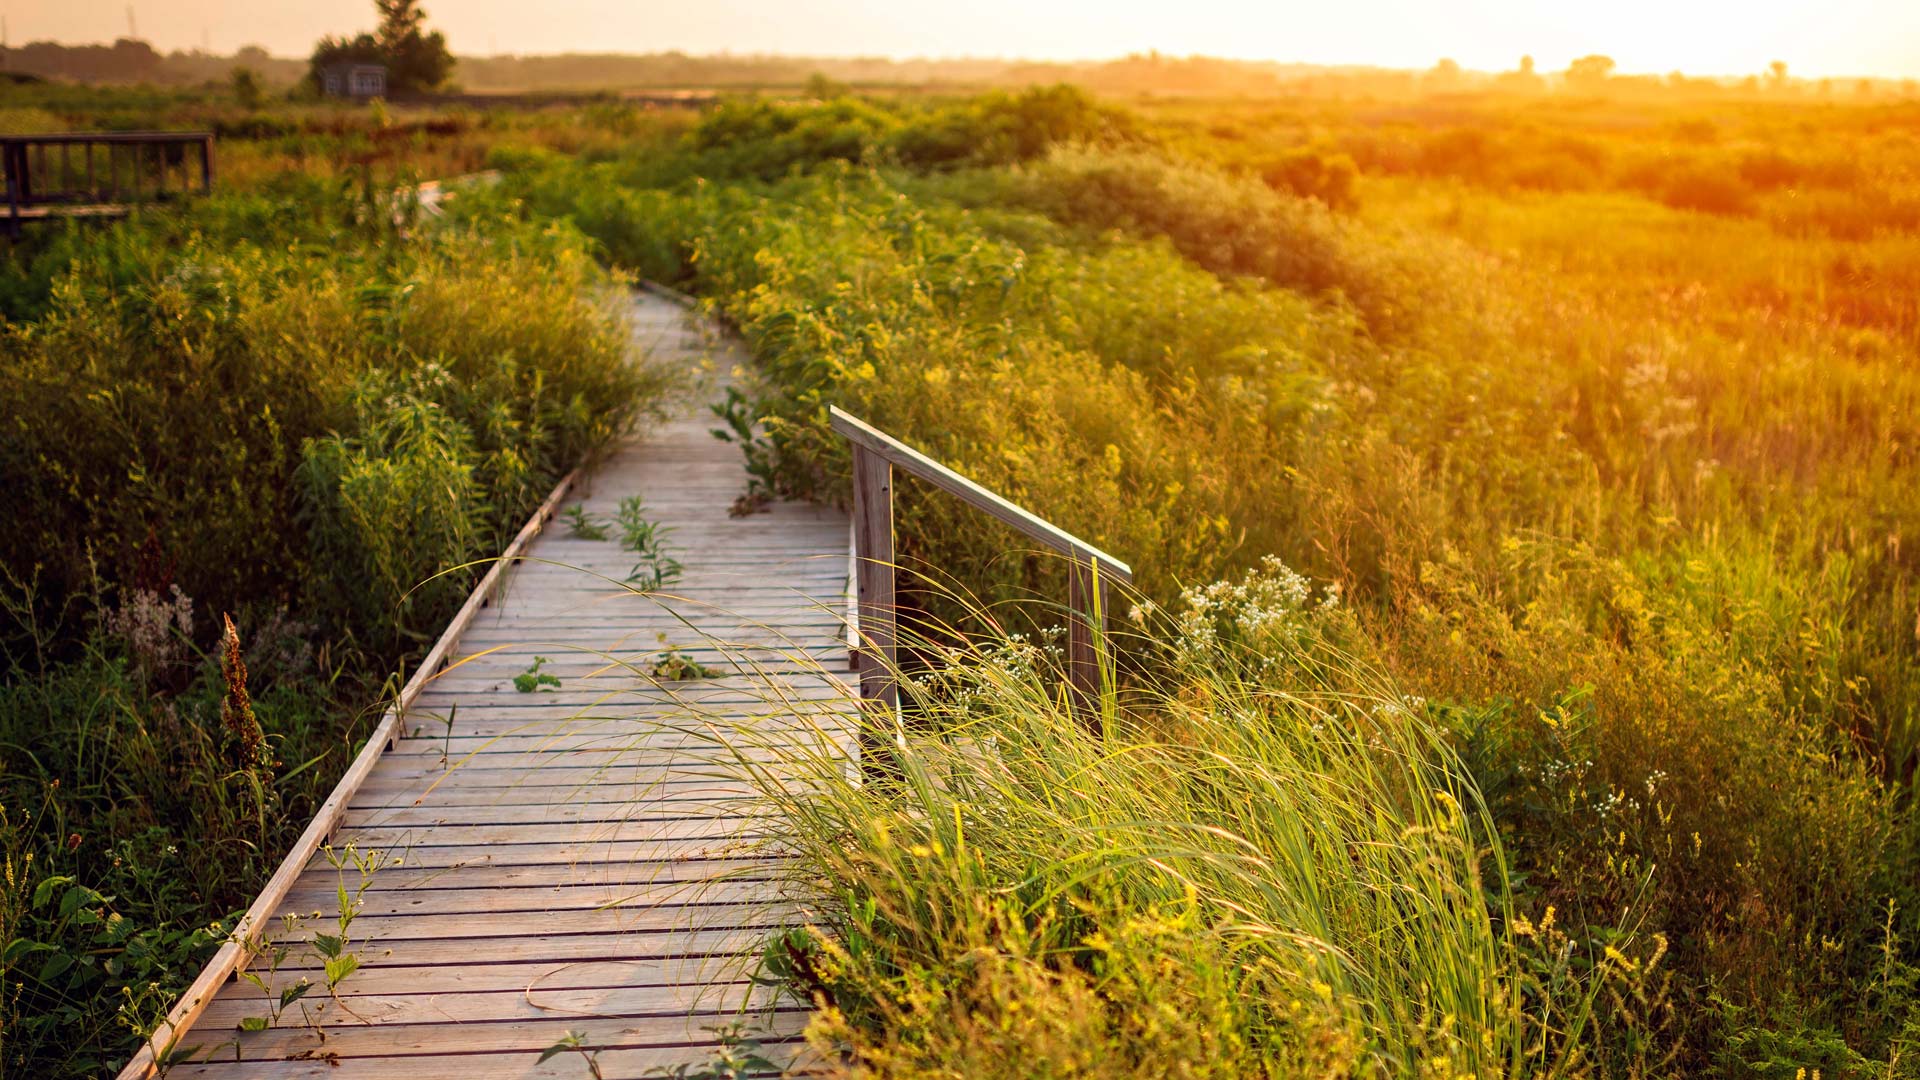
[(1524, 676)]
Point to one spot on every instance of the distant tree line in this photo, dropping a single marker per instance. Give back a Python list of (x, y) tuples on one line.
[(417, 59), (132, 61)]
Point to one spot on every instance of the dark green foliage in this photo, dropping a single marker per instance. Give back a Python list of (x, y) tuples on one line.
[(303, 410), (760, 139)]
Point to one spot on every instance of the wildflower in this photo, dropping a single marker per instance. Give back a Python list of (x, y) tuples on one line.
[(236, 708), (1620, 958)]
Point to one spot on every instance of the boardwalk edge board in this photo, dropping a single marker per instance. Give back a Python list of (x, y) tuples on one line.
[(242, 944)]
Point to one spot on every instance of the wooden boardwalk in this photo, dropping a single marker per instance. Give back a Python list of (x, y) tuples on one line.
[(577, 859)]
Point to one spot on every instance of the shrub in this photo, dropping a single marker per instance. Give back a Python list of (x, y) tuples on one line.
[(1711, 190), (1315, 174)]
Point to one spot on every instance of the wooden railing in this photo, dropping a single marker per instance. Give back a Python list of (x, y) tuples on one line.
[(100, 173), (1091, 572)]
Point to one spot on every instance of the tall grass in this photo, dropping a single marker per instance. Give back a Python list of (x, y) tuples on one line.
[(1272, 862)]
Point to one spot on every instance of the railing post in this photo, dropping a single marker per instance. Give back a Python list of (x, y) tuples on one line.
[(25, 150), (1086, 638), (206, 164), (873, 568), (10, 162)]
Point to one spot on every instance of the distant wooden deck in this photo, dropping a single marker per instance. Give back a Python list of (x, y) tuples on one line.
[(98, 174), (576, 862)]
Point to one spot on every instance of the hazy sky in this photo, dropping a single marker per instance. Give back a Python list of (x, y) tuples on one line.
[(1820, 37)]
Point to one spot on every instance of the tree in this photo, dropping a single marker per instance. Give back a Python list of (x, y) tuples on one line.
[(1589, 72), (1522, 80), (416, 58), (246, 87)]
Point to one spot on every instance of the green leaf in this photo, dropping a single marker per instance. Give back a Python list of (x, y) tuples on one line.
[(44, 891), (76, 896), (20, 948), (328, 945), (294, 993), (55, 966), (254, 1023), (340, 967)]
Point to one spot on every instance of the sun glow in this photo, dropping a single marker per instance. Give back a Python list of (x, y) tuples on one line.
[(1711, 37)]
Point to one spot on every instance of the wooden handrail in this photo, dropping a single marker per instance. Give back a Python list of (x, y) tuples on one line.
[(57, 137), (1090, 574)]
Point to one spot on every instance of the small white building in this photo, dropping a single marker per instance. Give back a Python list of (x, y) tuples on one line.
[(354, 79)]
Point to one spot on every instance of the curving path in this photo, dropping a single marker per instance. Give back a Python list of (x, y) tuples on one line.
[(578, 859)]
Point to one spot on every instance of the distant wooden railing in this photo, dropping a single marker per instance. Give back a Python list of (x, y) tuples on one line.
[(1090, 575), (100, 173)]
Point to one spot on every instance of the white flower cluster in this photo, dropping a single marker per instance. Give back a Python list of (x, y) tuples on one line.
[(967, 675), (146, 621), (1271, 605)]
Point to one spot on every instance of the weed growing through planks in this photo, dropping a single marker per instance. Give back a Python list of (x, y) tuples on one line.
[(582, 525), (738, 1057), (526, 682), (737, 413), (575, 1041), (647, 540), (672, 666), (338, 962), (278, 1001)]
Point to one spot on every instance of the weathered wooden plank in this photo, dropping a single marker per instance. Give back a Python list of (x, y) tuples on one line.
[(507, 879), (729, 963), (402, 839), (318, 895), (556, 797), (552, 948), (377, 934), (427, 779), (576, 852), (412, 816), (520, 1005), (618, 1063), (641, 757), (715, 742), (345, 1040), (664, 728)]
